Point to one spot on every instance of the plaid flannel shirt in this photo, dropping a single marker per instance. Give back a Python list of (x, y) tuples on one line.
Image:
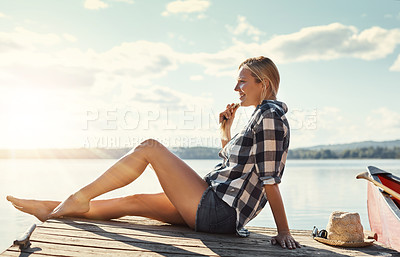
[(252, 158)]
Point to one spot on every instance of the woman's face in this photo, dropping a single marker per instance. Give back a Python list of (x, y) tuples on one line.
[(247, 87)]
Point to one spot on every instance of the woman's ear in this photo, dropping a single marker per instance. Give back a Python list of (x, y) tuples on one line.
[(265, 82)]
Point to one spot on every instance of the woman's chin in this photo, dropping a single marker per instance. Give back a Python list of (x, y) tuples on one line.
[(243, 103)]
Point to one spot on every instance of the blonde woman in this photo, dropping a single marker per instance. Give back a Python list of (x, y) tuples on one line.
[(227, 198)]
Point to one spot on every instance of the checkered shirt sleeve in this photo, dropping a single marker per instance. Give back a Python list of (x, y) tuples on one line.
[(271, 146)]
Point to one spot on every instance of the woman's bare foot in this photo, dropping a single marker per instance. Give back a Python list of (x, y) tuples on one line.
[(73, 205), (37, 208)]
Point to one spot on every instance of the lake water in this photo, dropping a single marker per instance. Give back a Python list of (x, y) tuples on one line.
[(311, 189)]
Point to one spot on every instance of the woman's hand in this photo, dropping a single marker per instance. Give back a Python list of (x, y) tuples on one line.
[(226, 119), (228, 115), (285, 240)]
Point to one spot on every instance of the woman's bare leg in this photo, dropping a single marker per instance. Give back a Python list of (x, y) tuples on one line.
[(155, 206), (182, 185)]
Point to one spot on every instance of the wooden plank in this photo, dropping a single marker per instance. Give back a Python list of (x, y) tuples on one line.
[(256, 238), (159, 229), (135, 236), (184, 241), (217, 247), (235, 242), (124, 243), (184, 233), (48, 249)]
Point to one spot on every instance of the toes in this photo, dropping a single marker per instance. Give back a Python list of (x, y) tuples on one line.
[(11, 198), (56, 213), (53, 216), (18, 207)]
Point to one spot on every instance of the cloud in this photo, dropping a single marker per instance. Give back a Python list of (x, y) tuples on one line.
[(329, 118), (69, 37), (396, 65), (124, 74), (25, 53), (383, 124), (142, 61), (2, 15), (47, 77), (334, 41), (21, 38), (118, 77), (245, 28), (327, 125), (125, 1), (137, 59), (334, 125), (317, 126), (163, 97), (388, 16), (327, 42), (95, 4), (26, 61), (144, 58), (196, 77), (186, 7), (162, 106)]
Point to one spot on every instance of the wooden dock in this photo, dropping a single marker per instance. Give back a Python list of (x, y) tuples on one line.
[(135, 236)]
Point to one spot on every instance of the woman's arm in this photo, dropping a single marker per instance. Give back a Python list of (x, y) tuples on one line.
[(225, 137), (284, 238)]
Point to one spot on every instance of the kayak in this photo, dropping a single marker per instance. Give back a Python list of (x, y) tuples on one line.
[(383, 209)]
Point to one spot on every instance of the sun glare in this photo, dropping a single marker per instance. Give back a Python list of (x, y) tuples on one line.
[(28, 120)]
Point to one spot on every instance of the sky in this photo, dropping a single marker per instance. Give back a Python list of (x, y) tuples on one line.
[(111, 73)]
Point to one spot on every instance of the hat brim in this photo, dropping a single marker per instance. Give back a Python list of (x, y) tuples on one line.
[(366, 242)]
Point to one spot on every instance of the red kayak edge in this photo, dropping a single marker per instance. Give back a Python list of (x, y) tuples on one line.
[(383, 213)]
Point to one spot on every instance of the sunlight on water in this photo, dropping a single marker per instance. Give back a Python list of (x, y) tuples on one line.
[(311, 189)]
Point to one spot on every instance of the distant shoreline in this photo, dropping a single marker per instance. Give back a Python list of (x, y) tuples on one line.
[(200, 153), (356, 153), (102, 153)]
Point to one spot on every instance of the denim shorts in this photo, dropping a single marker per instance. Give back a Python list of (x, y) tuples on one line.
[(214, 215)]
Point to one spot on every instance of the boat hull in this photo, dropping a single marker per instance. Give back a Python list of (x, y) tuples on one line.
[(384, 216)]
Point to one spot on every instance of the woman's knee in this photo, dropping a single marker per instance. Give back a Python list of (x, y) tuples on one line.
[(150, 143), (147, 146)]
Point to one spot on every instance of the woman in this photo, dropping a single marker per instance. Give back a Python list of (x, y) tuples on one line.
[(227, 198)]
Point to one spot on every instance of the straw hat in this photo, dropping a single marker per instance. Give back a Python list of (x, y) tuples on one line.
[(345, 229)]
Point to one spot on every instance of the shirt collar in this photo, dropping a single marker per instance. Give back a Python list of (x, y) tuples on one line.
[(266, 103)]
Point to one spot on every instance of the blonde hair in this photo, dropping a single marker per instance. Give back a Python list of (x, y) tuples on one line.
[(263, 70)]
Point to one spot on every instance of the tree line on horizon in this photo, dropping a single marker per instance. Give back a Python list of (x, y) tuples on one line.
[(358, 153), (199, 152)]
